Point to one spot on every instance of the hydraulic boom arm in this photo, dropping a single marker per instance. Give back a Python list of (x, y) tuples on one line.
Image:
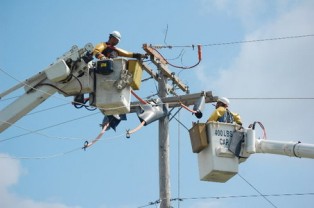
[(62, 74)]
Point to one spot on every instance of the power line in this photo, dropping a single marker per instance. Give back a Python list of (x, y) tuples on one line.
[(42, 157), (249, 196), (10, 98), (52, 95), (48, 127), (260, 40), (270, 202), (231, 197), (234, 42), (46, 109)]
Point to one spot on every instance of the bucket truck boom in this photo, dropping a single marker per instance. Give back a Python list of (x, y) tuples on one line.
[(220, 147), (62, 74)]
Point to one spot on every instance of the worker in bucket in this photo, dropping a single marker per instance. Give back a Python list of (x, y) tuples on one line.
[(222, 113), (108, 49)]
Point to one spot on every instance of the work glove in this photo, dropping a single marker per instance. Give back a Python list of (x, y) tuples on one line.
[(139, 56)]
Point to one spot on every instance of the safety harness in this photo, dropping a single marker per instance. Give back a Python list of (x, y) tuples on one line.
[(227, 117)]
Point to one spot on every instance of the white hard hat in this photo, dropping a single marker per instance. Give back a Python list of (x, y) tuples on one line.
[(116, 34), (224, 100)]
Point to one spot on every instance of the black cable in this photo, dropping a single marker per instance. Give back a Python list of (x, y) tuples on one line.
[(236, 42), (10, 98), (43, 157), (51, 85), (260, 40), (48, 127), (39, 111), (230, 197), (258, 191), (181, 124), (247, 196)]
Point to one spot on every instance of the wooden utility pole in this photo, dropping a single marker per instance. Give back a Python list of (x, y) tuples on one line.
[(164, 166), (163, 90)]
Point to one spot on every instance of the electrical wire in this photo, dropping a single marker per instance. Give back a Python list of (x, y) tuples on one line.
[(181, 123), (59, 154), (60, 98), (41, 157), (229, 197), (129, 132), (48, 127), (304, 98), (187, 108), (39, 133), (234, 42), (142, 101), (10, 98), (86, 106), (88, 144), (43, 110), (199, 52), (262, 127), (270, 202)]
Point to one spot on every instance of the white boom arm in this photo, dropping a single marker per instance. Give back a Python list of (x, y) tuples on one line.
[(59, 75), (292, 149)]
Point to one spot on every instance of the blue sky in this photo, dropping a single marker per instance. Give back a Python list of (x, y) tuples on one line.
[(123, 173)]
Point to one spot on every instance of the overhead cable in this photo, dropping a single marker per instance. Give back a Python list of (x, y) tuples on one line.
[(88, 144), (48, 127), (54, 96), (233, 42), (229, 197), (270, 202), (144, 102), (41, 157)]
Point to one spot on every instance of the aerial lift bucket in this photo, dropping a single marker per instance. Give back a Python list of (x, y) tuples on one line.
[(216, 163)]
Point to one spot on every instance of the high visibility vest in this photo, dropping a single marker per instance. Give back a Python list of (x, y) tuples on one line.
[(227, 117)]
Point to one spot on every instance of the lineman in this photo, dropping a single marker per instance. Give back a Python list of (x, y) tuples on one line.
[(222, 113), (107, 49)]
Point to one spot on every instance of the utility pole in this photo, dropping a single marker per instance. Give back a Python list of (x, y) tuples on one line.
[(164, 166), (163, 89)]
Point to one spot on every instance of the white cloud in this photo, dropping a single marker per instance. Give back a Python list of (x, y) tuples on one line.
[(285, 63), (250, 13), (282, 68), (246, 11), (9, 175)]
